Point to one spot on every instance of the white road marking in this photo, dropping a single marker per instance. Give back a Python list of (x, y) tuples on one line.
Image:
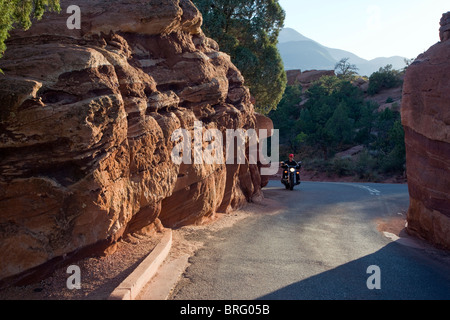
[(372, 191)]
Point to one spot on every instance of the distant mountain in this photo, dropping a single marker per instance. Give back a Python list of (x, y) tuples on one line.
[(300, 52)]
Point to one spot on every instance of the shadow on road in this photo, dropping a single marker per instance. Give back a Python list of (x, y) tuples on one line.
[(404, 275)]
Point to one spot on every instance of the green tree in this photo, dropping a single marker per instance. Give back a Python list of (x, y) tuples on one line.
[(345, 70), (322, 138), (334, 113), (384, 78), (305, 122), (285, 117), (383, 123), (340, 125), (390, 141), (365, 123), (248, 31), (336, 117), (19, 13), (394, 157)]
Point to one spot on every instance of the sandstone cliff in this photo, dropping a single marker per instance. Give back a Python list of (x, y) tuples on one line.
[(426, 118), (86, 120)]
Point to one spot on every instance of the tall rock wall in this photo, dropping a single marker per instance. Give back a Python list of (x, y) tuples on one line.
[(86, 120), (426, 119)]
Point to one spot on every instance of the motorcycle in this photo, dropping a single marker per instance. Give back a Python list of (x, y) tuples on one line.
[(288, 175)]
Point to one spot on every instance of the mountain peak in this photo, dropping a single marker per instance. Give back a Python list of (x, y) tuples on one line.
[(291, 35), (300, 52)]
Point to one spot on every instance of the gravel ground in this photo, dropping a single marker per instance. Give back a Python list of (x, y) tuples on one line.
[(99, 275)]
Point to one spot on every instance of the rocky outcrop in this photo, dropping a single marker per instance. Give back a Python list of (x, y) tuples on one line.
[(306, 78), (85, 131), (426, 119), (444, 30)]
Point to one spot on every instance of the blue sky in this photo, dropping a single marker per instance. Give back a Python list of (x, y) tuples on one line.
[(369, 28)]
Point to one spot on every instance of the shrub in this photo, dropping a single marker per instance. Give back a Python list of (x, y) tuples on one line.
[(365, 166), (342, 167), (384, 78)]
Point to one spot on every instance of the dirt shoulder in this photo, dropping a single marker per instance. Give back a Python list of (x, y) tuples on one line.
[(101, 275)]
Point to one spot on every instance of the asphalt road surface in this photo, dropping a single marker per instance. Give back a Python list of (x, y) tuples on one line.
[(323, 245)]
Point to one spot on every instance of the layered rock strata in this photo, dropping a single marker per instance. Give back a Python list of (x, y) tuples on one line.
[(86, 120), (426, 119)]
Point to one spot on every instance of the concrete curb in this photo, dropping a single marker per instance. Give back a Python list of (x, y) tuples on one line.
[(135, 282)]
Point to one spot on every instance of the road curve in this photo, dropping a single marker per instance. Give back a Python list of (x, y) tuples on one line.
[(323, 245)]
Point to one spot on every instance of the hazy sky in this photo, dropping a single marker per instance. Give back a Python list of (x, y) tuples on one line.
[(369, 28)]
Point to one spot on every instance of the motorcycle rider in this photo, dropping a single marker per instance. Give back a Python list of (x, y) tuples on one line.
[(292, 162)]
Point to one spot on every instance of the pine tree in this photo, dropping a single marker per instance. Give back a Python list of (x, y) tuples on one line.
[(19, 13), (248, 31)]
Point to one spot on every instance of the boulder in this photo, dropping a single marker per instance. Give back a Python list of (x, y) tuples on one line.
[(426, 119), (444, 30), (292, 76)]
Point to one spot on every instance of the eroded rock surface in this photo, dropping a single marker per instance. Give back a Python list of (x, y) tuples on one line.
[(86, 120), (426, 118)]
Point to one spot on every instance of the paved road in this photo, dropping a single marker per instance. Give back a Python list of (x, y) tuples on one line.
[(319, 247)]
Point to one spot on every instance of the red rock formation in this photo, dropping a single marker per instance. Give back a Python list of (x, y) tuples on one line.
[(85, 130), (306, 78), (426, 118)]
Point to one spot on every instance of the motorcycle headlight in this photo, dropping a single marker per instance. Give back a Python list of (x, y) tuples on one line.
[(292, 170)]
